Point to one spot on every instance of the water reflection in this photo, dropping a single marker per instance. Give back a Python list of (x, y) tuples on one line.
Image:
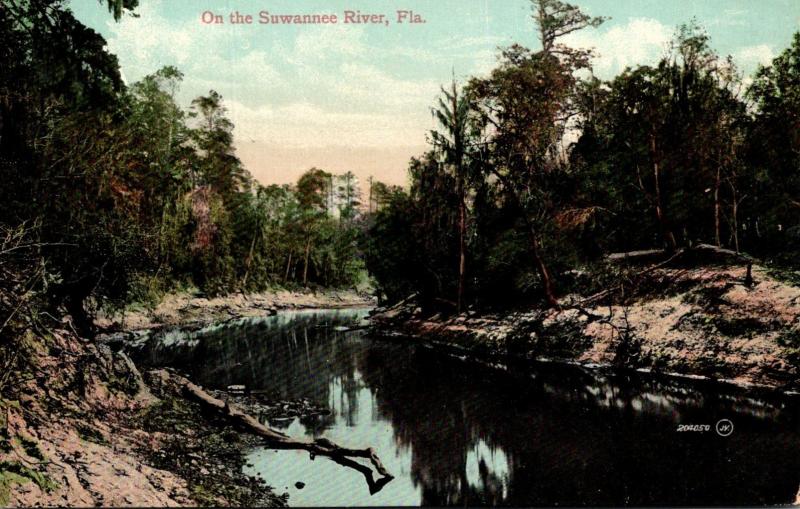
[(456, 433)]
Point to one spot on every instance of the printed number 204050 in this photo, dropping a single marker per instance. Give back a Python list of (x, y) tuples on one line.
[(694, 427)]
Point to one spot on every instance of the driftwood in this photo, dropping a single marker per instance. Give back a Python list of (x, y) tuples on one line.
[(635, 256), (277, 440), (619, 256), (638, 256), (649, 254)]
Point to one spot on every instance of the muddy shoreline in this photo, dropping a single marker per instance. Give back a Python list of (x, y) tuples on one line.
[(187, 310), (709, 326), (86, 427)]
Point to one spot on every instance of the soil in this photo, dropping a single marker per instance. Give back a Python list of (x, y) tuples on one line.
[(83, 427), (186, 309), (701, 322)]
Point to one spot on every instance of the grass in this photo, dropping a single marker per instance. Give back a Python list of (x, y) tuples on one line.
[(202, 496), (15, 473)]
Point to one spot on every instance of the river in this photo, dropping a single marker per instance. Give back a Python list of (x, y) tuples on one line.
[(455, 432)]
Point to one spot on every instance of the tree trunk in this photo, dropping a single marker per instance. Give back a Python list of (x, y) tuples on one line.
[(717, 209), (462, 231), (305, 266), (547, 282), (735, 220), (277, 440), (81, 321), (669, 237), (288, 267), (249, 261), (541, 267)]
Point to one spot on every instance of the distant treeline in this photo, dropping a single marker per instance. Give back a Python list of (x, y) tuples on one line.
[(539, 169), (112, 193)]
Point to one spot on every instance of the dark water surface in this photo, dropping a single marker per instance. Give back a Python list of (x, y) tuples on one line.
[(455, 432)]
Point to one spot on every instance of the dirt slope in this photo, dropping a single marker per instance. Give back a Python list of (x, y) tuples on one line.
[(701, 321)]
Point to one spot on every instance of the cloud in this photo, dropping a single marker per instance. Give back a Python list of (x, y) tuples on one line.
[(640, 41), (750, 57), (148, 42), (305, 125), (731, 18), (461, 43), (319, 88)]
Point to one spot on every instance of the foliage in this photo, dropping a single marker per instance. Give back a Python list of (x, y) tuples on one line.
[(131, 195), (536, 170), (559, 168)]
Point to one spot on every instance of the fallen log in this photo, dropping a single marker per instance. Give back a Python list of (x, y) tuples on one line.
[(707, 249), (636, 277), (275, 439), (635, 256)]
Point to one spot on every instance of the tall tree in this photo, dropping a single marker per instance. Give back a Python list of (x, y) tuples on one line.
[(313, 191), (775, 147), (675, 132), (220, 168), (528, 103), (453, 114), (555, 19)]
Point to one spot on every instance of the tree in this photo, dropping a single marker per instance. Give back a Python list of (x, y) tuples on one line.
[(519, 102), (57, 131), (555, 19), (774, 151), (219, 166), (527, 104), (675, 133), (313, 191), (116, 7), (453, 114)]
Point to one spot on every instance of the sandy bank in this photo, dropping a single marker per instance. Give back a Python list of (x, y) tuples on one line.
[(84, 428), (186, 309), (701, 322)]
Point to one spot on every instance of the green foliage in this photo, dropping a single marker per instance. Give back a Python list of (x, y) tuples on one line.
[(12, 472), (116, 7), (535, 172), (390, 247), (665, 156), (130, 195), (774, 145)]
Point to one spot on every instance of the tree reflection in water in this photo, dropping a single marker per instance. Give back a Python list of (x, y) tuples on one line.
[(456, 433)]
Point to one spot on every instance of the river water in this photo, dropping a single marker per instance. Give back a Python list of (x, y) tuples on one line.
[(454, 432)]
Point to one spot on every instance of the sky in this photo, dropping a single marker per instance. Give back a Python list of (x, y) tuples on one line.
[(357, 97)]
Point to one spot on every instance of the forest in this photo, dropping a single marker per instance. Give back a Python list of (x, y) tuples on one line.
[(539, 171), (113, 193)]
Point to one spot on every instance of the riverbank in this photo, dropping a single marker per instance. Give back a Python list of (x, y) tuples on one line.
[(185, 309), (705, 321), (83, 427)]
